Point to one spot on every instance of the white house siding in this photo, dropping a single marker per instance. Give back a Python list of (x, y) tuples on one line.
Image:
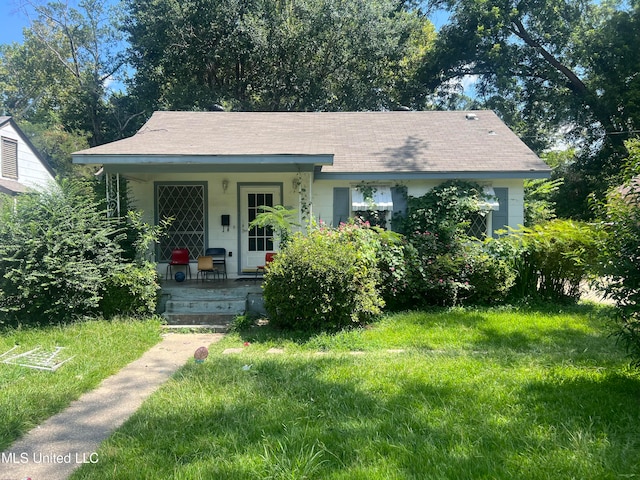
[(295, 187), (516, 200), (31, 172), (219, 202), (323, 195)]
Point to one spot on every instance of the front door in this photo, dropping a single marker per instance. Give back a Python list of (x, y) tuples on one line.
[(255, 242)]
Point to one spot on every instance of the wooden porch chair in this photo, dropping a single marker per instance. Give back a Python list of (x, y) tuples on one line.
[(205, 267)]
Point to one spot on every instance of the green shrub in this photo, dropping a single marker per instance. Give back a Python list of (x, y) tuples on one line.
[(552, 259), (471, 274), (441, 264), (539, 206), (435, 276), (490, 276), (511, 250), (621, 253), (395, 255), (131, 290), (444, 211), (132, 287), (326, 280), (56, 250), (60, 255)]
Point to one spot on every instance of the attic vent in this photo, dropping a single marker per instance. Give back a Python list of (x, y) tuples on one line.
[(9, 155), (471, 116)]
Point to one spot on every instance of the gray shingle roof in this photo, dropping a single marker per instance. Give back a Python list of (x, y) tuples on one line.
[(359, 141), (12, 187)]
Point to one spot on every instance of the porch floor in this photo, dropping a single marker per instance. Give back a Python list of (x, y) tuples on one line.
[(248, 281)]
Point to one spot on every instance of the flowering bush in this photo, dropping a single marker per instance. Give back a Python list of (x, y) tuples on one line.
[(442, 266)]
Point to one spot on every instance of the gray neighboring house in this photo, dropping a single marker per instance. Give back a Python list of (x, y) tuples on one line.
[(21, 166), (211, 171)]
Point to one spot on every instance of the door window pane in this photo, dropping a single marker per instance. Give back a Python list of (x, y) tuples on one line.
[(260, 238)]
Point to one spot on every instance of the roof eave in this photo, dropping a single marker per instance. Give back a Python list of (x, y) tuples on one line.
[(436, 175), (188, 160)]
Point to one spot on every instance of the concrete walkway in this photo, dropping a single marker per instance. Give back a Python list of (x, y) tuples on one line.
[(53, 450)]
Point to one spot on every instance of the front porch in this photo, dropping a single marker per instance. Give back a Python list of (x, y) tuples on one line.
[(212, 304)]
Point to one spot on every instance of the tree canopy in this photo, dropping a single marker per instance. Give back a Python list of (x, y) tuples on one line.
[(302, 55), (561, 73), (550, 67)]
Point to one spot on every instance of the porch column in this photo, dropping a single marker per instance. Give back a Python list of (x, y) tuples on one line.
[(112, 183)]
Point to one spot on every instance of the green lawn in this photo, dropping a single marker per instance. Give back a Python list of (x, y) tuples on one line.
[(496, 394), (100, 349)]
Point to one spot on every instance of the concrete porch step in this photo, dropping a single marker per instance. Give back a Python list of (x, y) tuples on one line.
[(213, 322), (208, 303), (193, 307), (197, 328)]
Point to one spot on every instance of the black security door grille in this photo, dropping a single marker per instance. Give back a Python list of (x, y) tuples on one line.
[(186, 205), (260, 238)]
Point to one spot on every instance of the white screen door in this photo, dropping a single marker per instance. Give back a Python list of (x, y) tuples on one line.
[(256, 241)]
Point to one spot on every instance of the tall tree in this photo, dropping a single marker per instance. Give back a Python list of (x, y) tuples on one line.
[(269, 55), (61, 73), (551, 64)]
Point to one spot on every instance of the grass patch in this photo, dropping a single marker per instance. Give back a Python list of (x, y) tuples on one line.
[(495, 393), (101, 348)]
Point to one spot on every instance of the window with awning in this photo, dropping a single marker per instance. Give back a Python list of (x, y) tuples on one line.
[(372, 204), (375, 199), (490, 202), (480, 224)]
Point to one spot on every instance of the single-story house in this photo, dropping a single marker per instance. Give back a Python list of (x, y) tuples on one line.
[(211, 171), (21, 166)]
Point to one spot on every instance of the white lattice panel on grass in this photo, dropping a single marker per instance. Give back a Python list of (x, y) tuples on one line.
[(37, 358)]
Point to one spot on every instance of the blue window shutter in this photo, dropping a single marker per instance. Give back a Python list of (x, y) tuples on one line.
[(500, 217), (341, 206), (399, 199)]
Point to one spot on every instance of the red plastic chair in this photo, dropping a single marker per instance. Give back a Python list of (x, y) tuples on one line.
[(179, 257), (268, 258)]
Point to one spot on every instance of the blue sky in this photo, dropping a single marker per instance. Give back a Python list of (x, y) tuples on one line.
[(12, 21)]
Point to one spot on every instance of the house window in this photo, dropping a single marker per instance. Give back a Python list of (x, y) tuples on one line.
[(186, 204), (492, 214), (389, 207), (372, 204), (9, 155), (478, 225)]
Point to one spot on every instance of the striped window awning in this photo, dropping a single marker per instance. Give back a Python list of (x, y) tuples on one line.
[(490, 203), (380, 199)]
